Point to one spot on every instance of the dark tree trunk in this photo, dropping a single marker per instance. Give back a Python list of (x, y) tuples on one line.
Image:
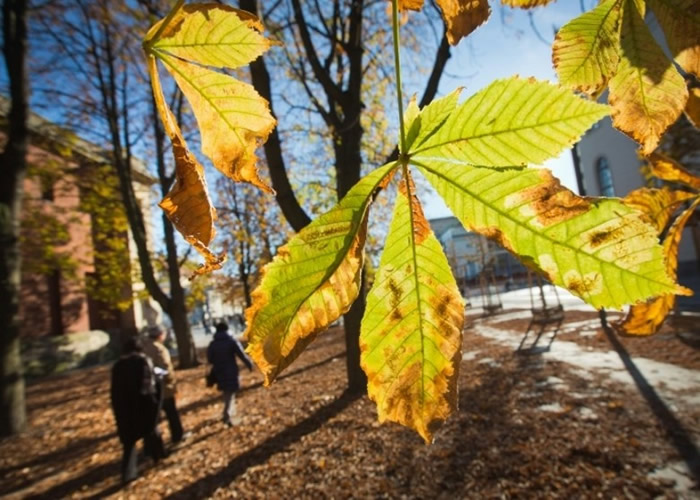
[(187, 353), (287, 201), (13, 163)]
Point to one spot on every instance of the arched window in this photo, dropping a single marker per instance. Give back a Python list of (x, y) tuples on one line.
[(605, 179)]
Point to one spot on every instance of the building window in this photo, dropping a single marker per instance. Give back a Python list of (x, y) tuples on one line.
[(605, 178), (46, 183)]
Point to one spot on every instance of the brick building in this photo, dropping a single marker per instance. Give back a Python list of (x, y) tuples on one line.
[(59, 237)]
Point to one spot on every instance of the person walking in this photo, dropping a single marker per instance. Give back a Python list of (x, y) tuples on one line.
[(222, 353), (154, 349), (135, 397)]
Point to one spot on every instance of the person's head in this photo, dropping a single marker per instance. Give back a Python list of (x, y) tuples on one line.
[(221, 327), (156, 333), (131, 345)]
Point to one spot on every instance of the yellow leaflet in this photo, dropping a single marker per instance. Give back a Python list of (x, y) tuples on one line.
[(525, 4), (412, 330), (187, 204), (668, 169), (646, 319), (463, 16), (647, 94), (657, 205), (692, 108), (233, 119), (312, 281), (680, 21), (410, 4)]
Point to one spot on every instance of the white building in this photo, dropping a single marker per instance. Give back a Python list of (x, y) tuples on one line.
[(470, 253)]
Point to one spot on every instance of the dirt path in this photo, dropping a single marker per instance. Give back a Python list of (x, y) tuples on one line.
[(528, 426)]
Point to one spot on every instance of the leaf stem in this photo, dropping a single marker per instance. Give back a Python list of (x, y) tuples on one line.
[(397, 70), (149, 43)]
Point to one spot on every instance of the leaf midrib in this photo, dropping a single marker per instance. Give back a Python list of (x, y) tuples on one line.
[(332, 269), (510, 130)]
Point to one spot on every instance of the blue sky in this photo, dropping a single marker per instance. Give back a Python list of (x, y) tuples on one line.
[(507, 45)]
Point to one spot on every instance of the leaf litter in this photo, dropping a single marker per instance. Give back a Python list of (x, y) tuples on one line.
[(302, 438)]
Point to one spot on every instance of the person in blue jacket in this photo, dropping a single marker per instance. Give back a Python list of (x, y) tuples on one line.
[(222, 353)]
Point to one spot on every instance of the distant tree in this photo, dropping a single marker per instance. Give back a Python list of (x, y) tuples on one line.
[(253, 231)]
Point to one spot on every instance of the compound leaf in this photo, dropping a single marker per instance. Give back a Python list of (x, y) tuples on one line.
[(599, 249), (647, 94), (586, 50), (511, 122), (312, 281), (232, 117), (412, 330), (646, 319)]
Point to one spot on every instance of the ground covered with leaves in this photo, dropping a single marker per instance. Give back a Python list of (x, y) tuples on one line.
[(529, 425)]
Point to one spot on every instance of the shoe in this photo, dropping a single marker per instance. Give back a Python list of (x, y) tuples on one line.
[(228, 423)]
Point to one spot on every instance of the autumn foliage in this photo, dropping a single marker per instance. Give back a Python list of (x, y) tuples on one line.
[(479, 156)]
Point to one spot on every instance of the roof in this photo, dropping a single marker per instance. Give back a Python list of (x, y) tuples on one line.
[(442, 224), (60, 138)]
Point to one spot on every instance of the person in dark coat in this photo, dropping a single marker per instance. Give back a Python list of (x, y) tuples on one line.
[(136, 403), (222, 353)]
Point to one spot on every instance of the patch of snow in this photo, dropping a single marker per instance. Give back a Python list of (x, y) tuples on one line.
[(551, 408), (669, 380), (587, 414), (490, 362), (468, 356), (676, 472)]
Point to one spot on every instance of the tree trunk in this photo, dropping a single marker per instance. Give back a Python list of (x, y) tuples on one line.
[(357, 380), (187, 353), (13, 162), (287, 201)]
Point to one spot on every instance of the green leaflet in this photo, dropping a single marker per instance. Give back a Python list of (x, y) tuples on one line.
[(412, 329), (511, 122), (647, 94), (599, 249), (586, 49), (421, 124), (312, 281)]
